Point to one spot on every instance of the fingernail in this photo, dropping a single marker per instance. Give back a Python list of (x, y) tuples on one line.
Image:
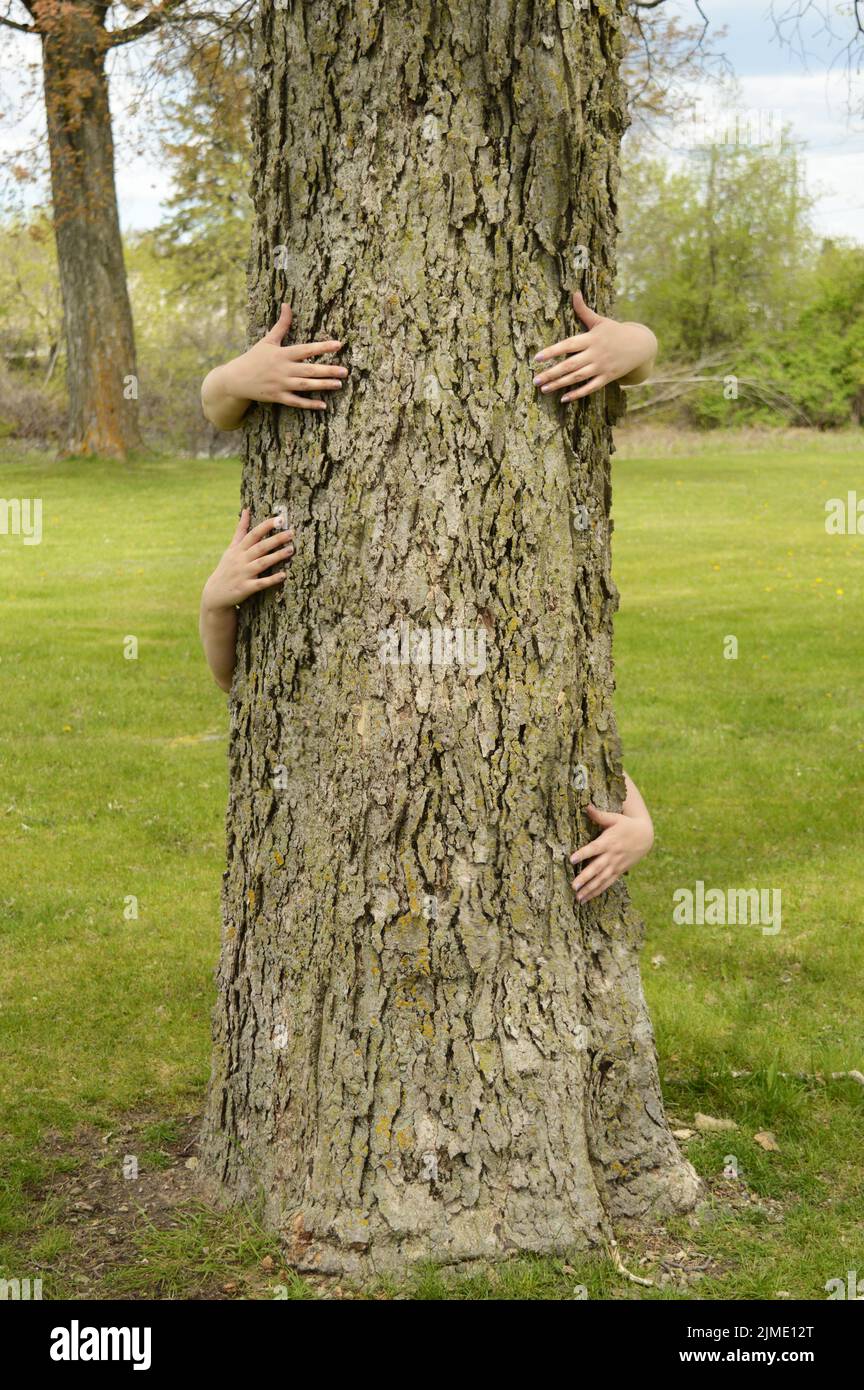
[(538, 357), (343, 371), (536, 381)]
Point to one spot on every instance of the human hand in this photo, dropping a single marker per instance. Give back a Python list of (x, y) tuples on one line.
[(609, 351), (270, 372), (240, 571), (625, 840)]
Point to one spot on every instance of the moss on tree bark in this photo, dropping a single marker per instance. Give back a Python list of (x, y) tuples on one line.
[(423, 1046)]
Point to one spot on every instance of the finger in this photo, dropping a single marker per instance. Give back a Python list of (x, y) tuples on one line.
[(599, 887), (269, 544), (300, 350), (588, 317), (595, 385), (567, 373), (313, 371), (574, 379), (280, 327), (269, 580), (604, 818), (302, 402), (262, 529), (569, 364), (300, 383), (257, 566), (591, 871), (241, 528), (588, 851), (562, 349)]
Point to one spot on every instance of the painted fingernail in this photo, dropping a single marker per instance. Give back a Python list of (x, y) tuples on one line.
[(343, 371), (536, 381)]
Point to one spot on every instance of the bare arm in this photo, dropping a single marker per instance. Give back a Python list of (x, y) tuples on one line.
[(239, 574), (217, 628), (222, 408), (639, 333), (625, 838), (634, 802)]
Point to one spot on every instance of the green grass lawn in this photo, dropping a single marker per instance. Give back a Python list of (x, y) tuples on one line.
[(114, 788)]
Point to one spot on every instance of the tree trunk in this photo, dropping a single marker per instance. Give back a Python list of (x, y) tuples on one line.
[(100, 347), (423, 1046)]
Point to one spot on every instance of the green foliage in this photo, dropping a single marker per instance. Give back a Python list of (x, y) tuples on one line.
[(719, 257), (205, 237), (822, 360)]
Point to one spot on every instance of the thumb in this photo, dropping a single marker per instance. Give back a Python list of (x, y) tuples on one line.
[(242, 527), (586, 315), (604, 818), (280, 327)]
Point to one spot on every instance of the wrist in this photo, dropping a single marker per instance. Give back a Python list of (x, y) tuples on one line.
[(646, 833), (228, 383), (212, 605)]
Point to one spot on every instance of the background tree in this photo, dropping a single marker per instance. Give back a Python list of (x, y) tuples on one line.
[(423, 1045), (76, 37)]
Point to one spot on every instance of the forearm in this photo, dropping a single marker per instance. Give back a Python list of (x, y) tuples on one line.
[(645, 368), (220, 403), (634, 805), (218, 630)]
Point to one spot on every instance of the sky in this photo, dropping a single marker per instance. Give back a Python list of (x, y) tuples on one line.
[(802, 84)]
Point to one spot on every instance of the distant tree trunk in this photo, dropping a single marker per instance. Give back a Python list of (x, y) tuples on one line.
[(100, 347), (423, 1046)]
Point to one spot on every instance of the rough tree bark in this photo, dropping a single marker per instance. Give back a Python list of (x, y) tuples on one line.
[(423, 1045), (100, 346)]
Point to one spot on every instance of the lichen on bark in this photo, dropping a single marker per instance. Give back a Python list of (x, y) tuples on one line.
[(423, 1047)]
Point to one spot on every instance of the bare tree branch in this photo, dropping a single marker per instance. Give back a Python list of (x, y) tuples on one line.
[(8, 23)]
